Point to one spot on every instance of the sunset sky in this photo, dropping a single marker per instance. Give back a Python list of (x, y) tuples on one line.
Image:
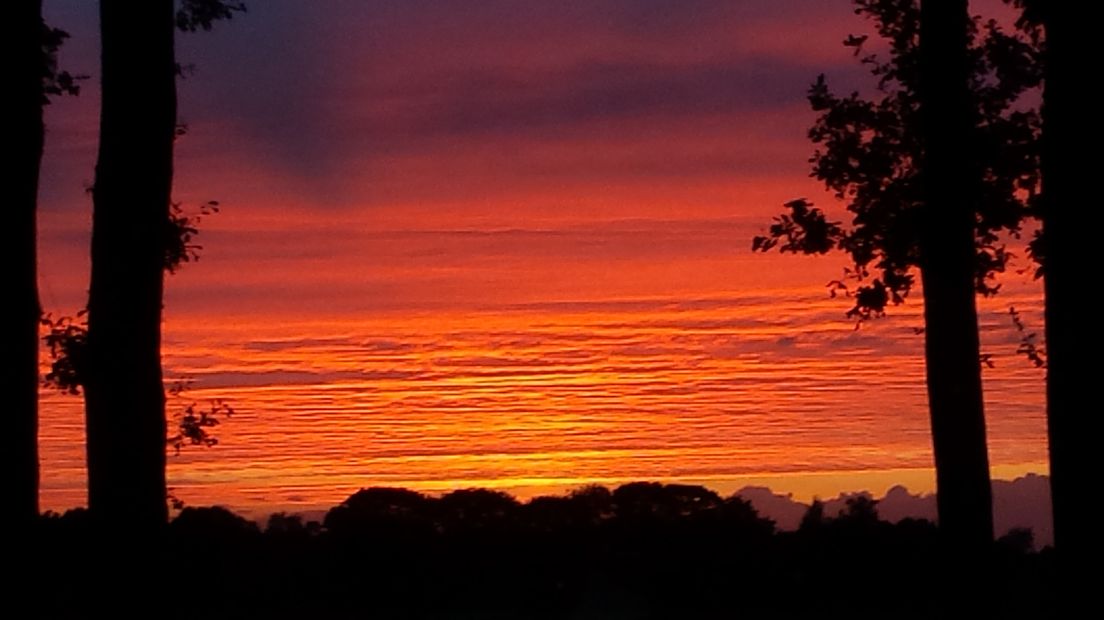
[(507, 244)]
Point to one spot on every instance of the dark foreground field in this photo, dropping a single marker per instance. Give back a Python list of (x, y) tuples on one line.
[(641, 551)]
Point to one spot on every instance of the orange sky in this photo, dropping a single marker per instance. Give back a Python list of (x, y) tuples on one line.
[(507, 244)]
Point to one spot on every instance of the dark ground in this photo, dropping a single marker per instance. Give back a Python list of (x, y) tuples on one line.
[(644, 550)]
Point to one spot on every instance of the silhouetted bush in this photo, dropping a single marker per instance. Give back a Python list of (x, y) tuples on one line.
[(642, 550)]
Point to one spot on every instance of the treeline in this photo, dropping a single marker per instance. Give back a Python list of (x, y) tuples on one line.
[(641, 550)]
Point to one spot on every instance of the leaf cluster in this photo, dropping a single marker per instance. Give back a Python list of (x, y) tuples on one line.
[(869, 150), (194, 423), (195, 15), (55, 82), (67, 341), (1028, 347), (181, 230)]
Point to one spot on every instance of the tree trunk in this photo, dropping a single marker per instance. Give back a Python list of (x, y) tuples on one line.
[(1069, 152), (124, 395), (947, 270), (22, 145)]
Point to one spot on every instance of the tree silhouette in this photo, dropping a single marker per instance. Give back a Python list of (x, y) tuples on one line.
[(935, 170), (1067, 175), (23, 151), (30, 46), (950, 192), (124, 396), (66, 340), (193, 422), (133, 225), (677, 551)]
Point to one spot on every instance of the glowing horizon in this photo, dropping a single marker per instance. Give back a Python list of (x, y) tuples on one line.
[(511, 248)]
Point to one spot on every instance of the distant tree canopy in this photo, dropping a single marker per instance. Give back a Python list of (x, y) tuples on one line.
[(641, 550), (869, 149), (384, 511)]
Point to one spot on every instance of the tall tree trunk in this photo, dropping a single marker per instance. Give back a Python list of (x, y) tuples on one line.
[(947, 270), (124, 395), (1069, 154), (22, 148)]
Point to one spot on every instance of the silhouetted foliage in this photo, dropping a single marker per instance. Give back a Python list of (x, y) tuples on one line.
[(67, 338), (475, 509), (175, 503), (1018, 541), (870, 150), (193, 424), (291, 526), (1028, 347), (861, 509), (137, 234), (55, 81), (804, 230), (368, 506), (594, 500), (660, 502), (180, 233), (937, 168), (193, 15), (211, 527), (813, 518), (398, 514), (67, 341), (670, 551)]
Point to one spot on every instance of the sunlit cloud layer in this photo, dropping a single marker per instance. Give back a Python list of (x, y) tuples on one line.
[(508, 244)]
